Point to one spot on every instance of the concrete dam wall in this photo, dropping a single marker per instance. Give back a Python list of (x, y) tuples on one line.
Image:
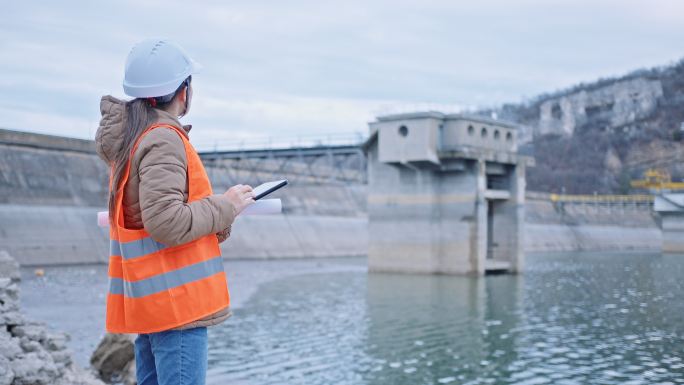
[(53, 235), (51, 189), (586, 227)]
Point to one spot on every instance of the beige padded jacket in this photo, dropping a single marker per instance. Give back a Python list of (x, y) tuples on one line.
[(155, 196)]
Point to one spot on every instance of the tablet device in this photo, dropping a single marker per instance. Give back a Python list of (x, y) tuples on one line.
[(264, 189)]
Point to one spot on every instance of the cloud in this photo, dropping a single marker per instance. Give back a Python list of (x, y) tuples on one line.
[(275, 68), (224, 120), (48, 123)]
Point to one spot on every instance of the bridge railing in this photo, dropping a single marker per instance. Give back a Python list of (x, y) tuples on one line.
[(310, 159), (283, 142), (602, 199)]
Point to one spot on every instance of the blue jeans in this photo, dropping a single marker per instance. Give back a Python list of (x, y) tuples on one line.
[(172, 357)]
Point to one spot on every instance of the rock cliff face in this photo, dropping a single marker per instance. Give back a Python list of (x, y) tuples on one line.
[(597, 137), (29, 353), (616, 105)]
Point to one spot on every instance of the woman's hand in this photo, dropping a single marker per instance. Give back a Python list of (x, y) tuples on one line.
[(223, 235), (240, 196)]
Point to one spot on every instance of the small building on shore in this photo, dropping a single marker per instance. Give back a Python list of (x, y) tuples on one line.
[(446, 194)]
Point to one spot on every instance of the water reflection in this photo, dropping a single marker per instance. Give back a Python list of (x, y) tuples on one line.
[(439, 329), (571, 319)]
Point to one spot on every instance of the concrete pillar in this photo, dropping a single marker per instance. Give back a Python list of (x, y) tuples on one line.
[(479, 248), (518, 230)]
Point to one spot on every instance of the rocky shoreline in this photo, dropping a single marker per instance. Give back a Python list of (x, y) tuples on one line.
[(31, 354)]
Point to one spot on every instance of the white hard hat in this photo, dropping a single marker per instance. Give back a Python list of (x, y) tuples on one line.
[(156, 67)]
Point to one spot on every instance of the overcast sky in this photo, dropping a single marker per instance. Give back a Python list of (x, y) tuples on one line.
[(281, 68)]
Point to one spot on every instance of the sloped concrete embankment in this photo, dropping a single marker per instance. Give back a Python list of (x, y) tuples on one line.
[(51, 189), (56, 235), (584, 227), (30, 354)]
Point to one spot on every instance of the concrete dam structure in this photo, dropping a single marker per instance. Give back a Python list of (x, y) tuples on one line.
[(446, 195), (51, 189)]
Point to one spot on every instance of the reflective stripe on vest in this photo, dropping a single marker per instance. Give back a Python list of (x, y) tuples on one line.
[(134, 249), (166, 281), (155, 287)]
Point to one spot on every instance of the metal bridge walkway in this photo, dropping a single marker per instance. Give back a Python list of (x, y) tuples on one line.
[(312, 162)]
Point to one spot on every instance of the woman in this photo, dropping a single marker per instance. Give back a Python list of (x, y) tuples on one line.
[(167, 282)]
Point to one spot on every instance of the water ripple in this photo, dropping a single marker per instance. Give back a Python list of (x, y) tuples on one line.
[(571, 319)]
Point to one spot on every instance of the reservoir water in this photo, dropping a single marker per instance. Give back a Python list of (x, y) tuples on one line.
[(570, 319)]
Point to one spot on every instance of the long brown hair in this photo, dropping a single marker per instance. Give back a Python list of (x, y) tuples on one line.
[(138, 117)]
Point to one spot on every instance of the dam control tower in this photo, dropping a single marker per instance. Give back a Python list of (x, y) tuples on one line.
[(446, 194)]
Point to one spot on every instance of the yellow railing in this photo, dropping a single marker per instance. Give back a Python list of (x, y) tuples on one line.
[(636, 198)]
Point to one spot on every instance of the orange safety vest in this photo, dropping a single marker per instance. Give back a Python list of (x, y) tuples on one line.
[(153, 287)]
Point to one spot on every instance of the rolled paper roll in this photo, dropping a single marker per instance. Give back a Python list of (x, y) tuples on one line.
[(103, 218), (264, 207)]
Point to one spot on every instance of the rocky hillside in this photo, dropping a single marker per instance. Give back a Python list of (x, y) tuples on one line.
[(596, 137)]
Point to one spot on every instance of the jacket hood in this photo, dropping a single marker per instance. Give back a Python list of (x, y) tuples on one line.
[(109, 137)]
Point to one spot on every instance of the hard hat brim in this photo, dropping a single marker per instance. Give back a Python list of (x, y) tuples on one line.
[(196, 67)]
